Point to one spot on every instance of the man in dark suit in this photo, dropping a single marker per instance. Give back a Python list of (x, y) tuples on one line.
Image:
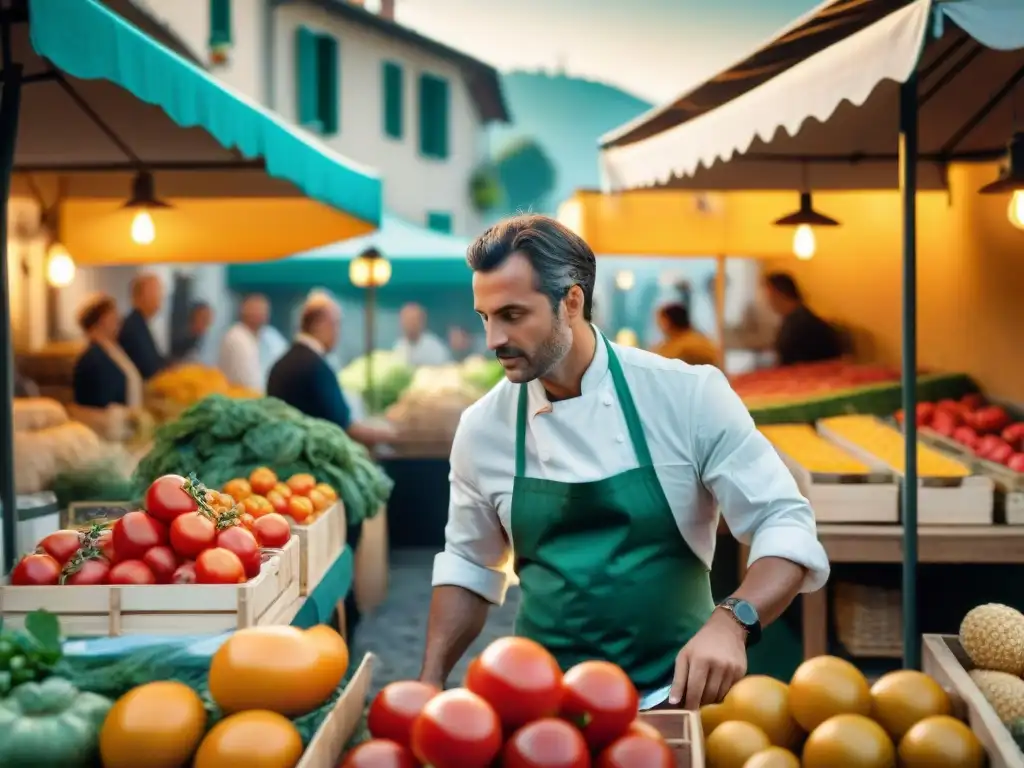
[(136, 338), (803, 337)]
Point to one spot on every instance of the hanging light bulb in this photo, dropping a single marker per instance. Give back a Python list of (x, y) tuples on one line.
[(804, 241), (625, 279), (1011, 180), (143, 230), (144, 202), (1015, 211), (804, 244), (60, 267)]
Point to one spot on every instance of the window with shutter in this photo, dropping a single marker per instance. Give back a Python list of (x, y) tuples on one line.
[(327, 81), (393, 100), (439, 222), (433, 103), (220, 23), (317, 81)]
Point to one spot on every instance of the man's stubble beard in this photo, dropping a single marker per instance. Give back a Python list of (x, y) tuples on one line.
[(551, 352)]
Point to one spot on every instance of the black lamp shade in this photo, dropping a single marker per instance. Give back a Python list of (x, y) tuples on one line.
[(806, 215)]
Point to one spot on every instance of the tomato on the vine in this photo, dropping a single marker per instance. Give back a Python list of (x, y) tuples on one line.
[(547, 743), (380, 753), (519, 678), (243, 543), (162, 562), (61, 545), (89, 573), (633, 750), (272, 530), (192, 533), (246, 520), (219, 566), (237, 489), (185, 573), (37, 570), (601, 700), (105, 544), (166, 498), (131, 572), (278, 503), (457, 729), (137, 532), (396, 707)]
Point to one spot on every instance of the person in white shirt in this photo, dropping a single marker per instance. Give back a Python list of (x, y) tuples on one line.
[(240, 348), (600, 470), (418, 346)]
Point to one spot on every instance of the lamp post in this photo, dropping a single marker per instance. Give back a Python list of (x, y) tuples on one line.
[(369, 271)]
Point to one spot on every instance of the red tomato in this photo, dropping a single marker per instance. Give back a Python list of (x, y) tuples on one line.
[(519, 678), (105, 544), (601, 700), (243, 543), (641, 728), (162, 562), (191, 534), (547, 743), (137, 532), (90, 573), (37, 570), (131, 572), (300, 508), (167, 498), (185, 574), (246, 520), (278, 502), (396, 707), (272, 530), (457, 729), (61, 545), (634, 750), (219, 566), (380, 753)]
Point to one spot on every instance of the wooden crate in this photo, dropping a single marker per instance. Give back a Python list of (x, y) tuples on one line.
[(320, 543), (328, 743), (682, 730), (941, 501), (848, 498), (164, 609), (944, 659), (82, 513)]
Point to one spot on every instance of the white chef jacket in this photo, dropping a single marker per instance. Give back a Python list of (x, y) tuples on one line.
[(240, 358), (428, 349), (705, 448)]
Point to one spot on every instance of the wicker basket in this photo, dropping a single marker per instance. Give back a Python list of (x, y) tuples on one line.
[(869, 620)]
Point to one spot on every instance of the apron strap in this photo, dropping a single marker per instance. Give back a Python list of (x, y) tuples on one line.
[(521, 432), (629, 412)]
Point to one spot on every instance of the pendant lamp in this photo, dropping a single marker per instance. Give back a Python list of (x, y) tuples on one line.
[(144, 200), (1011, 181), (805, 219)]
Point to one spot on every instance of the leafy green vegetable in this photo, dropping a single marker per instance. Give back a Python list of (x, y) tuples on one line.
[(391, 377), (30, 655)]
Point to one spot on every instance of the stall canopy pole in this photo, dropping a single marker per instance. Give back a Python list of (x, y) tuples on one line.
[(10, 102), (908, 193)]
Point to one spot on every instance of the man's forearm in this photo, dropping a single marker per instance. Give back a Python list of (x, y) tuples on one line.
[(771, 584), (456, 618)]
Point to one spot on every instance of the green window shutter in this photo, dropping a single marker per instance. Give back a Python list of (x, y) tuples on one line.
[(328, 84), (433, 103), (439, 222), (220, 23), (306, 77), (393, 93)]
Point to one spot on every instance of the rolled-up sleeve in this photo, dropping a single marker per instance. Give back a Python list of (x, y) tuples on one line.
[(755, 491), (476, 549)]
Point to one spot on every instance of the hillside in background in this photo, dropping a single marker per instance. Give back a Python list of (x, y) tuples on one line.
[(564, 116)]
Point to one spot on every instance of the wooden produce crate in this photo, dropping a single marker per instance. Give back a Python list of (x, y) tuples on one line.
[(941, 500), (944, 659), (682, 730), (163, 609), (328, 743), (320, 543), (848, 498), (82, 513)]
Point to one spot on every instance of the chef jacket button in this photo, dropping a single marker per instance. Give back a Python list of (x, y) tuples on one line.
[(620, 438), (607, 400)]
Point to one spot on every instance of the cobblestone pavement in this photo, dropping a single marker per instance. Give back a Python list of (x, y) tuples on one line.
[(396, 630)]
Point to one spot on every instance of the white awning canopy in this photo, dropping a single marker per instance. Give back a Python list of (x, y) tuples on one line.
[(819, 105)]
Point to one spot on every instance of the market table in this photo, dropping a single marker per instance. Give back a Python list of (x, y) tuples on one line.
[(868, 544)]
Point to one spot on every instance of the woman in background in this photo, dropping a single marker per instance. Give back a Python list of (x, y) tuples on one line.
[(682, 342), (104, 375)]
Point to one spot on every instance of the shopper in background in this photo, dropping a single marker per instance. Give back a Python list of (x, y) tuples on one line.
[(803, 336), (136, 337), (186, 346), (104, 375), (682, 342), (240, 348), (418, 346)]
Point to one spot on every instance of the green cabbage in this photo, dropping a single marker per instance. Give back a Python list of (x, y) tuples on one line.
[(391, 376)]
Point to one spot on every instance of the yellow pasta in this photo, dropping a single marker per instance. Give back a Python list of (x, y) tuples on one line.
[(887, 445), (813, 452)]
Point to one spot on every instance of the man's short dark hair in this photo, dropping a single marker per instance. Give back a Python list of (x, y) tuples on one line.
[(558, 255), (784, 285), (678, 315)]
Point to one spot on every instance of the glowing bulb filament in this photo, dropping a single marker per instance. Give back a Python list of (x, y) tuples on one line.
[(804, 244), (143, 231), (1015, 213), (60, 267)]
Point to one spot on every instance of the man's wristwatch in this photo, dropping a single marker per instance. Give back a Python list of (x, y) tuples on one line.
[(745, 615)]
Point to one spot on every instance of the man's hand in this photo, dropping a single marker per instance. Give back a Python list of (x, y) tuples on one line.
[(711, 663)]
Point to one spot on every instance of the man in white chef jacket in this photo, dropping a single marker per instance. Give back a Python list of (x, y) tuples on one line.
[(602, 469), (240, 347)]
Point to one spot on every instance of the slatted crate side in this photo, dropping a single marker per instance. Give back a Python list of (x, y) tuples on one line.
[(843, 498), (683, 733), (319, 545), (326, 747)]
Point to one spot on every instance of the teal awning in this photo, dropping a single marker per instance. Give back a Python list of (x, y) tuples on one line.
[(89, 42), (418, 256)]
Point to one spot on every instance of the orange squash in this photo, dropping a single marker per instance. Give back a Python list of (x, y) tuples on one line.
[(156, 725), (257, 739)]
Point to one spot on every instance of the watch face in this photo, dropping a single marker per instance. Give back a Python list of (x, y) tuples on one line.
[(746, 613)]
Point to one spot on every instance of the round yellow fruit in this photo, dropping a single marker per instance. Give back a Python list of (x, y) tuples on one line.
[(333, 651), (712, 716), (773, 757), (826, 686), (156, 725), (992, 636), (257, 739), (733, 743), (941, 741), (764, 701), (850, 741), (901, 699)]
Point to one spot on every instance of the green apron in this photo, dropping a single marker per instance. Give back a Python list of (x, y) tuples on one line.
[(603, 568)]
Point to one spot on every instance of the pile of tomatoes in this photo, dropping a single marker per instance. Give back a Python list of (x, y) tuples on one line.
[(516, 710), (300, 497), (186, 534)]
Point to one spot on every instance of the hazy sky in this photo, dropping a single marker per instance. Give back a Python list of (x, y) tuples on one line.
[(654, 48)]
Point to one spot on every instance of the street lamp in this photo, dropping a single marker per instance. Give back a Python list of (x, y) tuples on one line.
[(370, 270)]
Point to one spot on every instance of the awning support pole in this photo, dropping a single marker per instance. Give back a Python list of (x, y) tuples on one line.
[(908, 194)]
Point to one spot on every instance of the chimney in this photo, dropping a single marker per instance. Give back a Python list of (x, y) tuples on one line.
[(387, 10)]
